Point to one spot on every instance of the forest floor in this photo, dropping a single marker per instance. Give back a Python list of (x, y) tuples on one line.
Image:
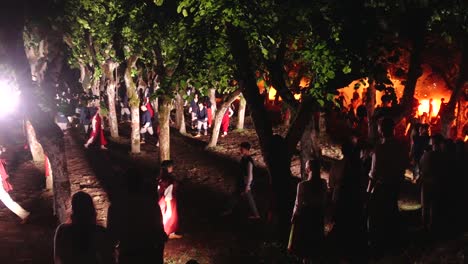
[(207, 178)]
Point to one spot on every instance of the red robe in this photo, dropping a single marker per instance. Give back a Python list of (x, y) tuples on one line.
[(97, 130), (171, 224), (6, 185)]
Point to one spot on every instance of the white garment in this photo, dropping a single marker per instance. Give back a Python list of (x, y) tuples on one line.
[(12, 205), (168, 193)]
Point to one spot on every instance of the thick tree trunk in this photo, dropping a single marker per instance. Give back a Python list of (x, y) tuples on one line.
[(448, 114), (180, 118), (113, 124), (212, 95), (287, 116), (241, 113), (370, 105), (34, 146), (48, 134), (165, 133), (134, 103), (306, 148), (227, 101), (274, 148)]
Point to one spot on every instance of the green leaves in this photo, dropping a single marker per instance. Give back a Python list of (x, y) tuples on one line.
[(158, 2)]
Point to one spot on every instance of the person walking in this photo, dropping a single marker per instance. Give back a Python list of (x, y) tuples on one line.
[(225, 122), (308, 224), (82, 240), (97, 131), (193, 109), (245, 182), (167, 189), (6, 187), (202, 119), (147, 125)]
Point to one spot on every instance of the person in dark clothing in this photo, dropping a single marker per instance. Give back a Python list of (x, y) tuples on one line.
[(193, 109), (349, 230), (244, 182), (202, 119), (135, 223), (420, 144), (147, 125)]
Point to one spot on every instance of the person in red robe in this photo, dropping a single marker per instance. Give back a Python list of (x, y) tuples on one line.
[(225, 122), (6, 187), (168, 199), (98, 131)]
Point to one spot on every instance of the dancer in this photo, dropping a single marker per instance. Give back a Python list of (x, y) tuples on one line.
[(6, 187), (202, 119), (168, 199), (98, 131), (193, 109), (82, 240), (226, 120), (146, 122)]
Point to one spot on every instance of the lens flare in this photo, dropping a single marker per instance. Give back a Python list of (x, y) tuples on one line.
[(9, 97)]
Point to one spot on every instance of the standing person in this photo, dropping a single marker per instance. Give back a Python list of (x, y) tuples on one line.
[(193, 109), (6, 187), (386, 175), (98, 131), (85, 116), (420, 144), (226, 120), (82, 240), (202, 119), (135, 223), (125, 114), (244, 182), (167, 189), (209, 111), (147, 126), (308, 224)]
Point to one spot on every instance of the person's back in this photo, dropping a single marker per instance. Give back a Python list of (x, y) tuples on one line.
[(390, 163), (76, 244)]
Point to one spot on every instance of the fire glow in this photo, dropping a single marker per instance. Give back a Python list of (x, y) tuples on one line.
[(424, 107)]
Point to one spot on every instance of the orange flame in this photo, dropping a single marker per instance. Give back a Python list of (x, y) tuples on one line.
[(424, 107)]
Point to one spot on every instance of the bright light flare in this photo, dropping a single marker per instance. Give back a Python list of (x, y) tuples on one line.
[(9, 97), (424, 107)]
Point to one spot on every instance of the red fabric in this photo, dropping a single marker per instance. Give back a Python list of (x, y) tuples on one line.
[(47, 169), (173, 219), (6, 184), (97, 130), (225, 122), (210, 116), (150, 109)]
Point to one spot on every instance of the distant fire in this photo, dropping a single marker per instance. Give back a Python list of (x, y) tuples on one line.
[(424, 107)]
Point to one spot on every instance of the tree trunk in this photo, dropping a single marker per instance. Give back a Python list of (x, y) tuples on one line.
[(448, 114), (165, 133), (34, 146), (370, 105), (227, 101), (241, 113), (113, 124), (306, 148), (134, 103), (287, 116), (212, 95), (180, 118)]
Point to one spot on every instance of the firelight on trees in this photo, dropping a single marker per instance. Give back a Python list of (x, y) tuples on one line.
[(9, 97)]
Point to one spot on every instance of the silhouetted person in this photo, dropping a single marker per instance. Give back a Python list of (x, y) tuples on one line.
[(82, 240), (420, 144), (136, 223), (308, 233), (350, 224), (387, 173)]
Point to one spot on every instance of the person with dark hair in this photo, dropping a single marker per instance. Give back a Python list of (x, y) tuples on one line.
[(97, 131), (202, 119), (419, 146), (193, 109), (225, 122), (244, 183), (168, 199), (432, 172), (386, 176), (82, 240), (147, 125), (209, 111), (349, 230), (136, 223), (308, 224)]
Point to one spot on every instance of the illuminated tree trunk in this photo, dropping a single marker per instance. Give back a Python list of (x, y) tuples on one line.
[(34, 146), (165, 133), (212, 95), (134, 102), (113, 124), (180, 118), (287, 116), (241, 113), (227, 101)]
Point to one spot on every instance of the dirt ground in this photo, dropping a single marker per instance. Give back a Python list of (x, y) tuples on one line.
[(206, 180)]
